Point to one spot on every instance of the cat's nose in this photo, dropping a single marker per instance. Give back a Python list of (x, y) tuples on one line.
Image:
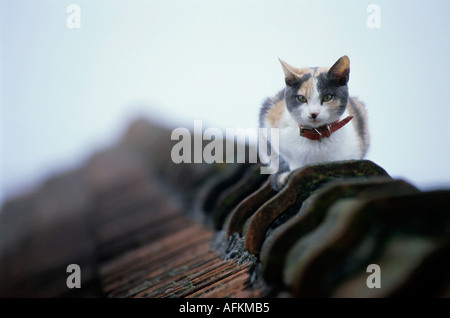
[(314, 115)]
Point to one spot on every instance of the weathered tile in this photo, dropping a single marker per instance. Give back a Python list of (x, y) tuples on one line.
[(230, 198), (320, 259), (313, 212), (248, 207), (300, 185), (409, 266)]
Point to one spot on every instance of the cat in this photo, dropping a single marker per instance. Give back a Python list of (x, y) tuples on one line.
[(317, 120)]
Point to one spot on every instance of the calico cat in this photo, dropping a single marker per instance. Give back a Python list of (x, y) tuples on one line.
[(317, 120)]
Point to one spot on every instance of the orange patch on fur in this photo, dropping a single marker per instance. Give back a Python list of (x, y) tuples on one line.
[(307, 88), (275, 113)]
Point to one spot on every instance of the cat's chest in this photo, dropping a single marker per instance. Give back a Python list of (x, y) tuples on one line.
[(300, 151)]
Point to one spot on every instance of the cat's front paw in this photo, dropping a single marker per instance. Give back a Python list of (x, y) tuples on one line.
[(278, 181)]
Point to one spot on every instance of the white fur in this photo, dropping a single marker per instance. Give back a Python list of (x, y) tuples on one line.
[(300, 151)]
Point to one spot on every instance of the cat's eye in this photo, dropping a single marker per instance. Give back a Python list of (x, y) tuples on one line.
[(302, 99), (327, 98)]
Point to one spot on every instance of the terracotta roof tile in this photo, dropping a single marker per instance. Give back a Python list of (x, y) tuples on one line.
[(142, 226)]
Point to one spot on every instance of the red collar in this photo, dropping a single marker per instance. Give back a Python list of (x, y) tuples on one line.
[(323, 131)]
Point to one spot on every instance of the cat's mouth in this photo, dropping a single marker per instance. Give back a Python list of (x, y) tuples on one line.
[(317, 122), (312, 123)]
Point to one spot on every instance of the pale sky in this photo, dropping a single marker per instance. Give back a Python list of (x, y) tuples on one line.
[(66, 92)]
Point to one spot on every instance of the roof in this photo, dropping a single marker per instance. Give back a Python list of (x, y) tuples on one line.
[(139, 225)]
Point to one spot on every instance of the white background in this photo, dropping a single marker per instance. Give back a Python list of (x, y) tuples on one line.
[(65, 93)]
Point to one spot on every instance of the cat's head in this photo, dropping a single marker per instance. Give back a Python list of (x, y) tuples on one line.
[(317, 96)]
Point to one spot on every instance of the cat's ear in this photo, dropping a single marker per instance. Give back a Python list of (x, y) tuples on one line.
[(290, 76), (340, 71)]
